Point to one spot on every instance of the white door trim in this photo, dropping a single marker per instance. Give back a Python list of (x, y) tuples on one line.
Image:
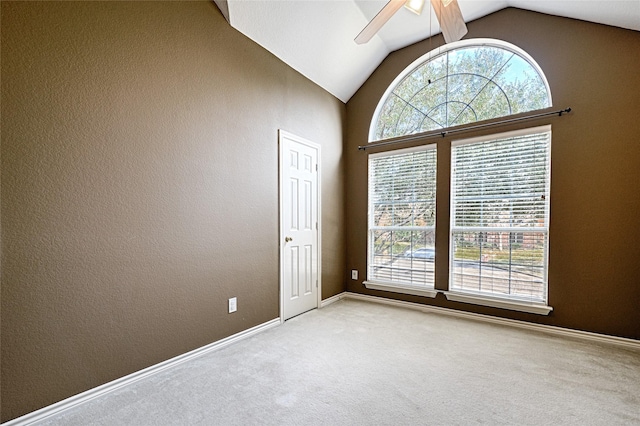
[(284, 134)]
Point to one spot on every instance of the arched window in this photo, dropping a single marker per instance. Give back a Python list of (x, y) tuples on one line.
[(471, 80), (499, 188)]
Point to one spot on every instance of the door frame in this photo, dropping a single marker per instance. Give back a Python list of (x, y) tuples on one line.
[(281, 135)]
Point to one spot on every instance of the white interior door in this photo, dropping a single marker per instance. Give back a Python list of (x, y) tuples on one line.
[(299, 225)]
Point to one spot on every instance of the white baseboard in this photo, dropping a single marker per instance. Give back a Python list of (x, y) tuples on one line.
[(558, 331), (83, 397), (332, 299)]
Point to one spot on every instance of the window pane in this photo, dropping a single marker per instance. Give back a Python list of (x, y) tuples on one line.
[(484, 60), (409, 121), (496, 263), (389, 116), (491, 102), (499, 216), (402, 187), (403, 257), (459, 86), (382, 214), (522, 97)]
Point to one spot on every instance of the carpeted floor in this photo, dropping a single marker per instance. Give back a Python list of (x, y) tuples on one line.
[(361, 363)]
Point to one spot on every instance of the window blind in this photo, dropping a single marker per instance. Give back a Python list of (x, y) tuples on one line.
[(500, 215), (402, 193)]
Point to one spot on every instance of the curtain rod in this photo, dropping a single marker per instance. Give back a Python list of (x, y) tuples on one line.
[(404, 139)]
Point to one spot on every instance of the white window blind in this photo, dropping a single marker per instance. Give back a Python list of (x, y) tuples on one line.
[(500, 215), (402, 200)]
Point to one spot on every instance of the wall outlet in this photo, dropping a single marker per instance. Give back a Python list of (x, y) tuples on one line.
[(233, 304), (354, 274)]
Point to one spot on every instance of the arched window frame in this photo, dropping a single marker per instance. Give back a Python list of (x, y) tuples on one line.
[(442, 50), (401, 262)]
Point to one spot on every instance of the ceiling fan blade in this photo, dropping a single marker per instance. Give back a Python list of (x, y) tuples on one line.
[(450, 19), (379, 20)]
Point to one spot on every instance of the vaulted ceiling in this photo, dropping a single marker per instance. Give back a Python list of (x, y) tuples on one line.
[(315, 37)]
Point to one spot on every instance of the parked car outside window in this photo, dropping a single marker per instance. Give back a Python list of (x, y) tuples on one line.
[(421, 253)]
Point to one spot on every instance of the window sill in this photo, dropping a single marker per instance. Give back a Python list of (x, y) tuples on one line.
[(511, 305), (399, 288), (475, 299)]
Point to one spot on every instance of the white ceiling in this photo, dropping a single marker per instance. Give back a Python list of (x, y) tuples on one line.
[(315, 37)]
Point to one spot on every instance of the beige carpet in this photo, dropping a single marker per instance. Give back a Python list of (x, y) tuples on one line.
[(361, 363)]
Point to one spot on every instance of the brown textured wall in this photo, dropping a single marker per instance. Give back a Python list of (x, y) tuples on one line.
[(140, 188), (594, 260)]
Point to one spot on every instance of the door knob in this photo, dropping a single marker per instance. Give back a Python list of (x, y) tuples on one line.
[(287, 239)]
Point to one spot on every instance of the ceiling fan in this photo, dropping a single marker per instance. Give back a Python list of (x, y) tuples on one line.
[(447, 11)]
